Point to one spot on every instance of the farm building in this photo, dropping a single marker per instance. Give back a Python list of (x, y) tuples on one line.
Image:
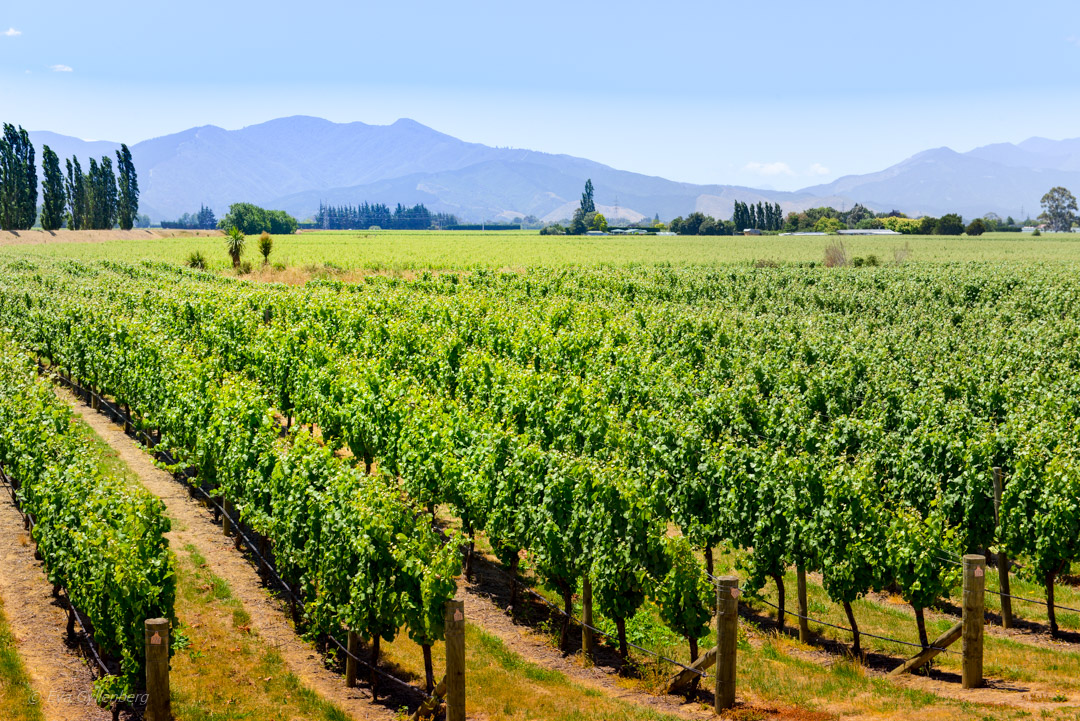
[(868, 231), (751, 231)]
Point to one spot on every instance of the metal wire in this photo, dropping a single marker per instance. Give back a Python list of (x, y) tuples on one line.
[(833, 625), (861, 633), (1032, 600)]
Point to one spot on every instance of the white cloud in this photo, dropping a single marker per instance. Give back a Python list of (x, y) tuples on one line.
[(769, 169), (818, 169), (12, 33), (61, 69), (1073, 40)]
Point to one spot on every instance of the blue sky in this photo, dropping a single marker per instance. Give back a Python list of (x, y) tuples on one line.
[(769, 93)]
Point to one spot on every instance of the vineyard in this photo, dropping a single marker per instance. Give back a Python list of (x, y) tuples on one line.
[(611, 435)]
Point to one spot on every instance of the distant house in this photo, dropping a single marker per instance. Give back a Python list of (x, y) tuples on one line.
[(868, 231), (595, 232), (751, 231)]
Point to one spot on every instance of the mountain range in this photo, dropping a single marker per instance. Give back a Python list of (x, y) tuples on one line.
[(298, 162)]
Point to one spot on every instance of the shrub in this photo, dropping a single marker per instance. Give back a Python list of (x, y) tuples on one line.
[(196, 260), (976, 227), (1036, 232), (266, 244), (554, 229), (857, 262), (951, 224), (835, 255), (872, 261), (244, 268)]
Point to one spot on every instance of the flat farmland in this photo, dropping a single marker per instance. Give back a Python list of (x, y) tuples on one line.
[(382, 251)]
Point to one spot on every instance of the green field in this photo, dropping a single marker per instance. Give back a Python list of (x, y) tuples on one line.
[(440, 250)]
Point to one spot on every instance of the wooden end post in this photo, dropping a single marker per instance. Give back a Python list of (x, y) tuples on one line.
[(727, 633), (974, 584), (455, 661), (158, 705), (1002, 557)]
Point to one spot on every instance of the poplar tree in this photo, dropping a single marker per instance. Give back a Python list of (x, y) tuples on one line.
[(587, 204), (78, 199), (54, 199), (128, 200), (18, 180)]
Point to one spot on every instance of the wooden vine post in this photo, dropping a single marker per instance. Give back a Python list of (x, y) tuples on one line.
[(350, 659), (727, 636), (1002, 557), (455, 661), (588, 640), (972, 640), (804, 607), (226, 516), (158, 706)]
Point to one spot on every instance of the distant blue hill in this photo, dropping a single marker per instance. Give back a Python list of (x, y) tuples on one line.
[(295, 163)]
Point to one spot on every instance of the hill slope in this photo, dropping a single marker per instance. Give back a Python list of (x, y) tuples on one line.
[(295, 163)]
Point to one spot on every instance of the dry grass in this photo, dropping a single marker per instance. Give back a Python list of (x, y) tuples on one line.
[(16, 696), (835, 255), (227, 672)]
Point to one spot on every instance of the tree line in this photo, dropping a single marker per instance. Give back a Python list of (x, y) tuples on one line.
[(368, 215), (203, 220), (97, 200)]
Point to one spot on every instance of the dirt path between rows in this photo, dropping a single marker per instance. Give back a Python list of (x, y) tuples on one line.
[(483, 612), (269, 617), (61, 679)]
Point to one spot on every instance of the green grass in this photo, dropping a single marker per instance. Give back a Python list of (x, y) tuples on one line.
[(18, 701), (413, 250)]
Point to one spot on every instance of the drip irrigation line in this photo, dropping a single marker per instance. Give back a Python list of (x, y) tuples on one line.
[(86, 634), (581, 623), (379, 671), (1032, 600)]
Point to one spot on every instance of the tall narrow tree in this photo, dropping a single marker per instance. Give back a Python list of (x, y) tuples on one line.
[(128, 200), (28, 189), (53, 201), (78, 196), (18, 180), (587, 204)]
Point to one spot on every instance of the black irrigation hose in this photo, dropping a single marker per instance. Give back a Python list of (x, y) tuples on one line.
[(379, 671), (581, 623)]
